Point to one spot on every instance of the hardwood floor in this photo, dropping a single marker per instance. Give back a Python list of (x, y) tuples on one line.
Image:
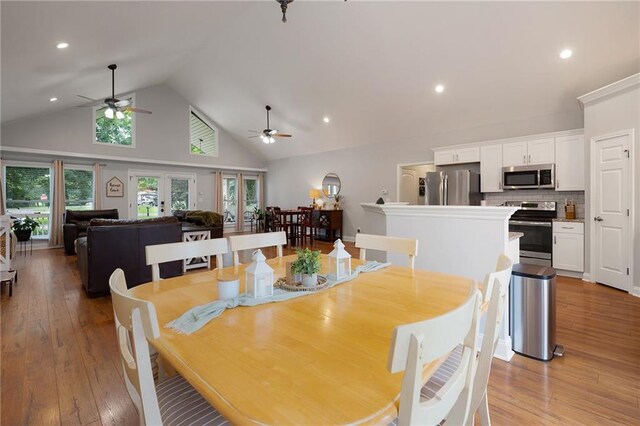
[(60, 362)]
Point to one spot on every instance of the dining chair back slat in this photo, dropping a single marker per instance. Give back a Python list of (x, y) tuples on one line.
[(414, 345), (161, 253), (256, 241), (389, 244)]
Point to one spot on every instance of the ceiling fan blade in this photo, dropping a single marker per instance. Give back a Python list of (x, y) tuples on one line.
[(254, 131), (132, 109), (271, 131), (253, 136), (89, 99), (123, 103), (281, 135)]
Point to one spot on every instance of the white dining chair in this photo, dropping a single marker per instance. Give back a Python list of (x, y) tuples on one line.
[(256, 241), (161, 253), (417, 344), (171, 402), (406, 246), (495, 289)]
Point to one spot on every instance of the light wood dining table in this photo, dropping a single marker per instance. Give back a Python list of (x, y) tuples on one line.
[(317, 359)]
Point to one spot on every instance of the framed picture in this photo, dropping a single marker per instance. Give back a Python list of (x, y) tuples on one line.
[(421, 191), (115, 187), (421, 181)]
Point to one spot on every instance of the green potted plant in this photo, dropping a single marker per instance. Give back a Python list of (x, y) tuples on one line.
[(308, 264), (24, 227)]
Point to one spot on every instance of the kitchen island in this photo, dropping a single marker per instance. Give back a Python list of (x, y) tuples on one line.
[(461, 240)]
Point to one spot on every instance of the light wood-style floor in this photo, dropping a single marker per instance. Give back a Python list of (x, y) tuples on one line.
[(60, 362)]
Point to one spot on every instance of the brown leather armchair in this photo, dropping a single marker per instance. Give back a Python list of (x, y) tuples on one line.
[(112, 244), (76, 223)]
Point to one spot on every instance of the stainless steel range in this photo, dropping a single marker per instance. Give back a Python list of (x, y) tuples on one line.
[(534, 220)]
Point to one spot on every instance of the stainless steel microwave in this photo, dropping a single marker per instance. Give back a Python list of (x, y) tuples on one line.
[(529, 177)]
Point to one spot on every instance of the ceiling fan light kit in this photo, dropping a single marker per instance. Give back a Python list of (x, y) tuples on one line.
[(115, 107), (268, 135)]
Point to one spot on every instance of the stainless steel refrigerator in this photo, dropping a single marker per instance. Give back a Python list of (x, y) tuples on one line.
[(452, 188)]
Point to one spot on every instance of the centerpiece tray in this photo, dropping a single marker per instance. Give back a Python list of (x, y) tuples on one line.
[(322, 284)]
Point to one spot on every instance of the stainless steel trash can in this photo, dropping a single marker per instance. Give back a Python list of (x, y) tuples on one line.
[(532, 319)]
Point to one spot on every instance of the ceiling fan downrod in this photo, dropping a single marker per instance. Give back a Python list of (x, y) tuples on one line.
[(283, 7)]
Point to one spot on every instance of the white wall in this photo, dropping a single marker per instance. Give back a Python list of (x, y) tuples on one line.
[(366, 171), (163, 135), (612, 114)]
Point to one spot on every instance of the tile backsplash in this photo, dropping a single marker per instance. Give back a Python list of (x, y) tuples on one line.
[(497, 198)]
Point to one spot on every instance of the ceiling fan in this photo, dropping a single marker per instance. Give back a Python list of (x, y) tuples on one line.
[(268, 135), (114, 106)]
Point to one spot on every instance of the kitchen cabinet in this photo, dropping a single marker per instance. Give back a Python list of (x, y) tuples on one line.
[(491, 168), (456, 156), (532, 152), (570, 163), (568, 246)]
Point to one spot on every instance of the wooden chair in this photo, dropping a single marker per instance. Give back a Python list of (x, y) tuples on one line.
[(171, 401), (256, 241), (384, 243), (305, 225), (495, 289), (161, 253), (417, 344), (274, 224)]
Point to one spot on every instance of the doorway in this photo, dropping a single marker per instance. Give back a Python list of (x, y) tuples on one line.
[(411, 182), (156, 194), (611, 201)]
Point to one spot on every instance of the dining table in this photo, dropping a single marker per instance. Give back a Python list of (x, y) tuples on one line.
[(316, 359)]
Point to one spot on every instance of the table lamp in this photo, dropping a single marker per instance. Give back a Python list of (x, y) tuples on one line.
[(313, 194)]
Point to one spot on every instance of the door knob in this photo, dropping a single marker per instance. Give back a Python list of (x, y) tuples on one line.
[(598, 219)]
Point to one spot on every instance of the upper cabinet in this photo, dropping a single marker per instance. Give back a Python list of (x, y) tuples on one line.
[(491, 168), (570, 163), (456, 156), (536, 151)]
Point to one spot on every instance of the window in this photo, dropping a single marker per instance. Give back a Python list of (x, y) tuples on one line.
[(114, 131), (203, 137), (28, 193), (78, 188)]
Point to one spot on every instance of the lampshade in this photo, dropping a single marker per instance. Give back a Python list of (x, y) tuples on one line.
[(108, 113), (119, 115), (315, 193)]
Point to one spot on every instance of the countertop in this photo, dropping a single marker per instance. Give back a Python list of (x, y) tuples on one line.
[(559, 219), (515, 235)]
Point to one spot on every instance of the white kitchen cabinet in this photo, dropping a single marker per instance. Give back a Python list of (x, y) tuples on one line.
[(536, 151), (456, 156), (570, 163), (568, 246), (491, 168), (514, 154)]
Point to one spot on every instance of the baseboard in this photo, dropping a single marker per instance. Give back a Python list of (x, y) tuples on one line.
[(635, 291), (570, 274), (503, 350), (587, 277)]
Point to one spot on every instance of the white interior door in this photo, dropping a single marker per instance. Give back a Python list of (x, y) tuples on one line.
[(611, 215), (408, 186)]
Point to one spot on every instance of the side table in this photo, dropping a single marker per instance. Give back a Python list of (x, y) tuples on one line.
[(196, 262), (8, 277)]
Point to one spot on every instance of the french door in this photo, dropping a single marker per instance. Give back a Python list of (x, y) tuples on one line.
[(229, 199), (154, 194)]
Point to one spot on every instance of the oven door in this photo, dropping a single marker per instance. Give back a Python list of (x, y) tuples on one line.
[(536, 244)]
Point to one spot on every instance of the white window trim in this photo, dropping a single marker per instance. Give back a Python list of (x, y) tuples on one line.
[(206, 121), (36, 164), (133, 124)]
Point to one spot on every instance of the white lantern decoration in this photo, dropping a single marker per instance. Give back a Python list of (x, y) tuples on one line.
[(259, 277), (339, 261)]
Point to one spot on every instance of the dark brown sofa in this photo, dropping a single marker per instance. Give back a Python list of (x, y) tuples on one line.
[(112, 244), (76, 223)]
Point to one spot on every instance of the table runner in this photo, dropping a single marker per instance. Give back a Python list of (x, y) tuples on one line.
[(196, 318)]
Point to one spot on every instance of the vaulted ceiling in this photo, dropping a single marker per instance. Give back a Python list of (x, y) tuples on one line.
[(369, 66)]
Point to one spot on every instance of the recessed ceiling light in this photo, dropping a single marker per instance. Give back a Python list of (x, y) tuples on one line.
[(566, 54), (53, 99), (62, 45), (439, 88), (326, 119)]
